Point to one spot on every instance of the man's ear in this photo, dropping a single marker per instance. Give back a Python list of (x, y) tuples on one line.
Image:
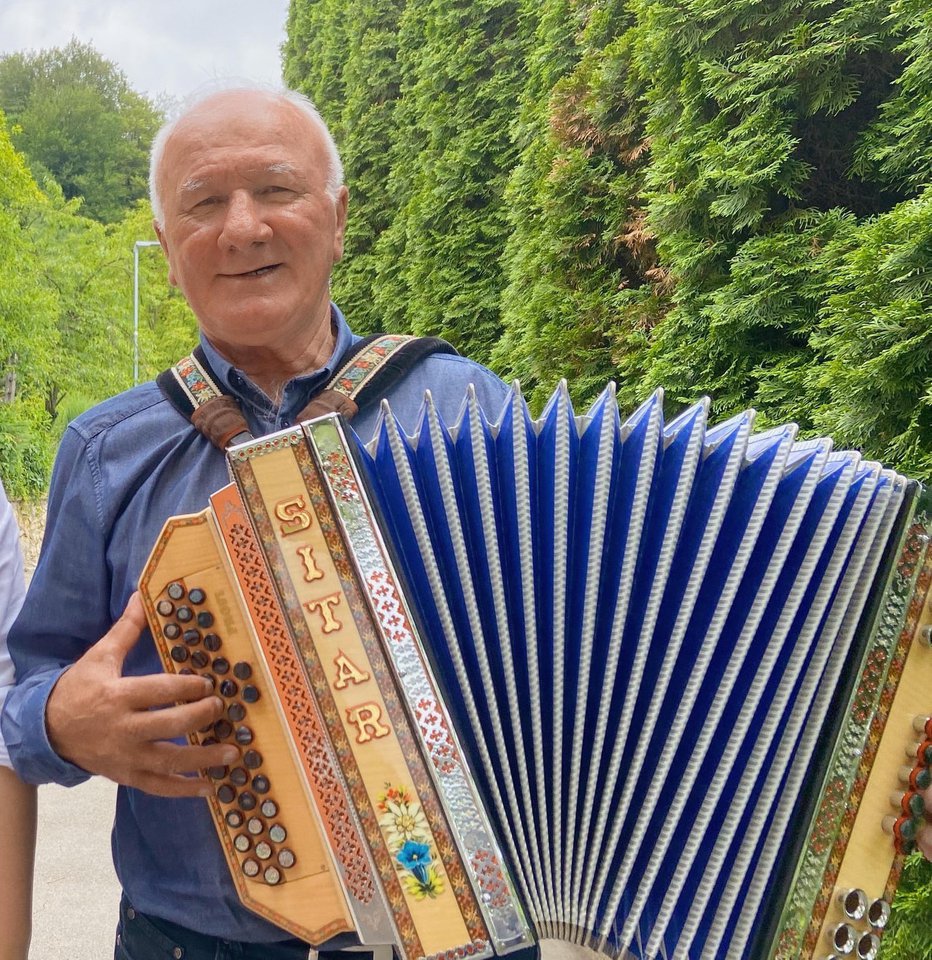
[(164, 244), (341, 205)]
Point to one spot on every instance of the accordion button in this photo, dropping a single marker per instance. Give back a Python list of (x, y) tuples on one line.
[(229, 688), (234, 819), (247, 800), (277, 833), (205, 619), (212, 642), (251, 868), (242, 842), (239, 777), (179, 654), (242, 670), (225, 793), (184, 614), (221, 666), (175, 591), (243, 736), (236, 712), (286, 859), (250, 693), (255, 826), (261, 784), (217, 773), (192, 637), (269, 808), (853, 903), (878, 913), (171, 631), (923, 725), (252, 759), (165, 608), (263, 850), (223, 729), (868, 946), (272, 876), (196, 595), (842, 937), (200, 659)]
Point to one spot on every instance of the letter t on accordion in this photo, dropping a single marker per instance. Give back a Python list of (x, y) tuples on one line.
[(641, 688)]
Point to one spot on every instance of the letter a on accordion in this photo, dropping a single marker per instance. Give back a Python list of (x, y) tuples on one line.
[(588, 684)]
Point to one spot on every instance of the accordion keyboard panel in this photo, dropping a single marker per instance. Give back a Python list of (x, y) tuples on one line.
[(886, 808), (275, 848)]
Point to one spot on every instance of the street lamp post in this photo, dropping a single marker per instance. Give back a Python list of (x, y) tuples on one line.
[(136, 246)]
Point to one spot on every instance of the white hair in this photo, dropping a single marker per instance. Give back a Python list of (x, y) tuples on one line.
[(207, 92)]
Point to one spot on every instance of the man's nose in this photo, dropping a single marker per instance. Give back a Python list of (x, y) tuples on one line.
[(244, 223)]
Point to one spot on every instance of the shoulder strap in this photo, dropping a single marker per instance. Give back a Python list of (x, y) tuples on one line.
[(369, 368)]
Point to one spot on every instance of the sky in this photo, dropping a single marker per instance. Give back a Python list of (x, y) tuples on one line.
[(163, 46)]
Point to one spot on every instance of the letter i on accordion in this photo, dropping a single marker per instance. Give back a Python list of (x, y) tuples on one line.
[(582, 683)]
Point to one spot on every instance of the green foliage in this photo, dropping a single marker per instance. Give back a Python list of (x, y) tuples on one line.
[(909, 936), (75, 117)]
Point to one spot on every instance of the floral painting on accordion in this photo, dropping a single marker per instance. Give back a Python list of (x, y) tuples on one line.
[(409, 839)]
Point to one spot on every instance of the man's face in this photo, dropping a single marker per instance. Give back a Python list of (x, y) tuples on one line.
[(249, 229)]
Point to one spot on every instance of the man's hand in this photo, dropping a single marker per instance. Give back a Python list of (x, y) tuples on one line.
[(108, 724)]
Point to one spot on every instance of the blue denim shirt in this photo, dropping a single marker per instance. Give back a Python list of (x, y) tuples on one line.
[(123, 468)]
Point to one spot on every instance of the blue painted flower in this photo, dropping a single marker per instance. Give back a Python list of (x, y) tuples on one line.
[(415, 857)]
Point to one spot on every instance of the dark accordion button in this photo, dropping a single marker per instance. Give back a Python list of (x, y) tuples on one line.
[(234, 819), (250, 693), (260, 784), (236, 712), (175, 591), (243, 736), (225, 793), (212, 642), (238, 776), (277, 833), (179, 654), (185, 672), (223, 729), (192, 637), (217, 773), (221, 666), (171, 631), (200, 659), (228, 688), (246, 800), (242, 842), (184, 614), (205, 619), (252, 759), (251, 868), (286, 858), (165, 608), (242, 670), (196, 595), (269, 808)]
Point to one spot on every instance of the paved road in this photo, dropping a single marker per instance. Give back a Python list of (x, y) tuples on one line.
[(76, 891)]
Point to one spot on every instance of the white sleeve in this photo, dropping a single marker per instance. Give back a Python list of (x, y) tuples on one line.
[(12, 589)]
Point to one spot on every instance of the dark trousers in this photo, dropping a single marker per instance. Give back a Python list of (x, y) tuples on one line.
[(140, 937)]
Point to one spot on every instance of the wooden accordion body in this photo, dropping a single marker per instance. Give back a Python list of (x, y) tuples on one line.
[(649, 690)]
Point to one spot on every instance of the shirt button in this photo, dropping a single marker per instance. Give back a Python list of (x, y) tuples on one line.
[(286, 421), (130, 913), (177, 953)]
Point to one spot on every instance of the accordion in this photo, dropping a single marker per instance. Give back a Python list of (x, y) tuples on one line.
[(617, 686)]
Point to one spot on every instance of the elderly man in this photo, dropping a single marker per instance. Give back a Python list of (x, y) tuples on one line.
[(250, 211)]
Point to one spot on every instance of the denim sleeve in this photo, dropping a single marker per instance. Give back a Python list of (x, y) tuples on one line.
[(66, 610)]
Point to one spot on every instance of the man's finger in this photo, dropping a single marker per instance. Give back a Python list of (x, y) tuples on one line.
[(117, 642), (164, 689), (178, 720)]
